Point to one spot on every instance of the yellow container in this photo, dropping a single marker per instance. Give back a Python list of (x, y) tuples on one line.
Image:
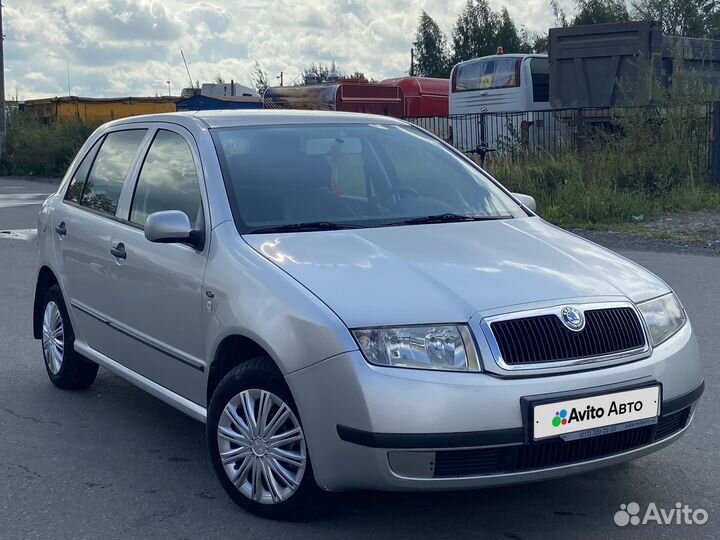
[(97, 110)]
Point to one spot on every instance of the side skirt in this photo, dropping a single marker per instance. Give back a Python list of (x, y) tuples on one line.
[(190, 408)]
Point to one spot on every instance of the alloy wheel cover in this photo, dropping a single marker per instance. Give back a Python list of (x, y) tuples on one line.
[(262, 446)]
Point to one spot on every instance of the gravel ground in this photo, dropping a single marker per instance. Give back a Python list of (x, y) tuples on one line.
[(696, 233)]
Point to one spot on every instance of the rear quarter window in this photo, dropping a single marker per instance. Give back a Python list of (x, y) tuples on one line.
[(77, 184), (111, 166)]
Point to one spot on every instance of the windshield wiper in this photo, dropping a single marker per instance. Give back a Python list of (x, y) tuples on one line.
[(447, 218), (307, 226)]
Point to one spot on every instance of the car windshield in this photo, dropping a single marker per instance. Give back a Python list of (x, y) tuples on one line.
[(331, 176)]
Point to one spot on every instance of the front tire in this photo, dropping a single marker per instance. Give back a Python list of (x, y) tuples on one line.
[(65, 368), (257, 445)]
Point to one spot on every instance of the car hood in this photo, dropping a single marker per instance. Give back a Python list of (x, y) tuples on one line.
[(449, 272)]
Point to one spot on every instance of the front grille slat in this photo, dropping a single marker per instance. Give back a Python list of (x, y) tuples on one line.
[(522, 335), (553, 452), (538, 338), (595, 340), (622, 326), (607, 334), (552, 343), (544, 338), (617, 327)]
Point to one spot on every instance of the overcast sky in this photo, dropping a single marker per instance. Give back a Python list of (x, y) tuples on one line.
[(132, 47)]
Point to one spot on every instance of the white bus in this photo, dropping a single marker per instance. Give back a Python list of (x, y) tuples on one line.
[(495, 102)]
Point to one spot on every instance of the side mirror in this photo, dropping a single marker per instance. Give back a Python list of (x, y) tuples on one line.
[(171, 227), (526, 200)]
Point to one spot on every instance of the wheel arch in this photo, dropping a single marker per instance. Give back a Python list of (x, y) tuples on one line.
[(46, 279), (232, 351)]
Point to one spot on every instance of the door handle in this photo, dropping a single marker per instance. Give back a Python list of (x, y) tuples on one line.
[(60, 229), (119, 251)]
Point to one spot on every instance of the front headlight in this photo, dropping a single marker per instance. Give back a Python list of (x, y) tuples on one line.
[(664, 316), (448, 348)]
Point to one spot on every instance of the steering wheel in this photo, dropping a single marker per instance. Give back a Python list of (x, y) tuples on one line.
[(381, 198)]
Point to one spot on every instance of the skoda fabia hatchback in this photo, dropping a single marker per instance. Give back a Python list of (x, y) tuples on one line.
[(349, 303)]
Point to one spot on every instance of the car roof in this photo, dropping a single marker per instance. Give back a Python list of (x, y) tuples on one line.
[(258, 117)]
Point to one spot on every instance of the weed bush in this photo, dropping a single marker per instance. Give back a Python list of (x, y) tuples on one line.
[(651, 160), (35, 149), (575, 191)]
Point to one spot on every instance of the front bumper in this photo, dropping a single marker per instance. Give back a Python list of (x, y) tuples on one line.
[(371, 427)]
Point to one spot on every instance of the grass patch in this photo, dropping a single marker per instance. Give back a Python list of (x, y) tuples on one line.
[(643, 167)]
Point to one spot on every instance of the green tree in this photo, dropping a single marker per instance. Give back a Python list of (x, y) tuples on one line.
[(509, 37), (321, 70), (559, 13), (690, 18), (259, 77), (540, 43), (430, 49), (599, 11), (357, 76), (474, 33)]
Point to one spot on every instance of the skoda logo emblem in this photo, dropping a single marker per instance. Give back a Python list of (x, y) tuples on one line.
[(572, 318)]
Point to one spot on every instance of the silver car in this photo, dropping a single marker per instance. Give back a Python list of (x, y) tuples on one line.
[(349, 303)]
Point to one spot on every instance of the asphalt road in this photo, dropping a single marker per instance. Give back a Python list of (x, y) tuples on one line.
[(113, 462)]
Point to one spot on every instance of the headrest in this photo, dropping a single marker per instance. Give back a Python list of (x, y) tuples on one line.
[(296, 171), (310, 172)]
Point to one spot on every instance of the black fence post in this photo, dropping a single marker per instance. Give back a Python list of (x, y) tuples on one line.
[(579, 131), (715, 143)]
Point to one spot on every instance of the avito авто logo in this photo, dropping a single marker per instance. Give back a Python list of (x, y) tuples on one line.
[(590, 412)]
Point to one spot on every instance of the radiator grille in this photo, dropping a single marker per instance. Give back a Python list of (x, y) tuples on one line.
[(553, 452), (671, 423), (544, 338)]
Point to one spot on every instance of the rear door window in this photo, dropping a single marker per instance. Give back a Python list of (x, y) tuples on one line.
[(112, 164), (488, 74)]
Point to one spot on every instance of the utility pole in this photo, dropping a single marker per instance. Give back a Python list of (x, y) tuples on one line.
[(67, 61), (2, 87), (412, 62), (281, 78)]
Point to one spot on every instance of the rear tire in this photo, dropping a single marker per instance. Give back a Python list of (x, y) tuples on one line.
[(254, 423), (65, 368)]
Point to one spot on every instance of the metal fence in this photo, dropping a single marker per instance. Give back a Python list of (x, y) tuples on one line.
[(506, 132), (557, 131)]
